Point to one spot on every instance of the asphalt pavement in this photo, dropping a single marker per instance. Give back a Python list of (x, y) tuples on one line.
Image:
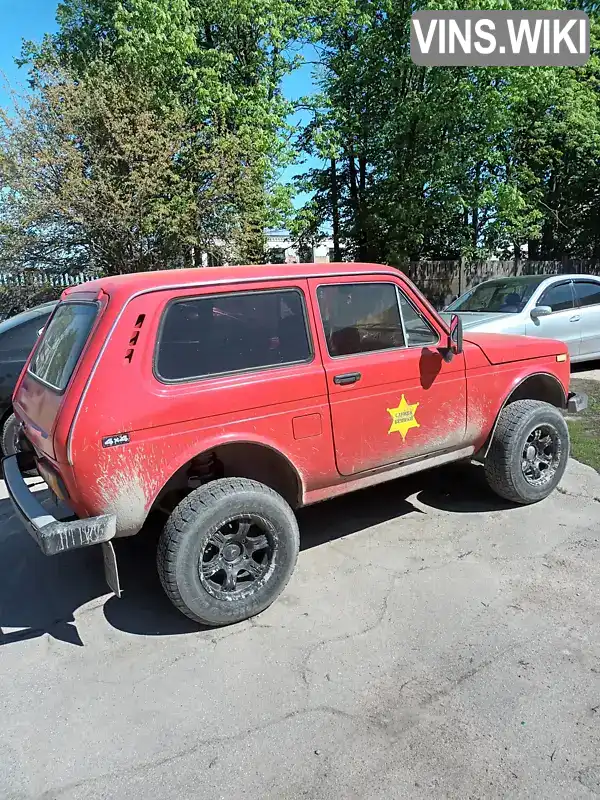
[(433, 643)]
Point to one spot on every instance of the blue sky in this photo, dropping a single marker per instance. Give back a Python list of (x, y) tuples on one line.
[(21, 19), (31, 19)]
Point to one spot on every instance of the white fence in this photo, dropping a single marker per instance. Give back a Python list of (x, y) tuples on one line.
[(36, 278)]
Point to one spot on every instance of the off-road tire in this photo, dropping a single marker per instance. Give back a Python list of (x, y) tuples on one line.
[(187, 531), (503, 464), (9, 431)]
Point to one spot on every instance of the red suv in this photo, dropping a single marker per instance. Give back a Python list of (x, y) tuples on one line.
[(226, 398)]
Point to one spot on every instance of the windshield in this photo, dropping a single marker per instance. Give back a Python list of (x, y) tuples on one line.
[(63, 342), (499, 296)]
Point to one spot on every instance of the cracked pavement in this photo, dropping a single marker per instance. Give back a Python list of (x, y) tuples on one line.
[(433, 642)]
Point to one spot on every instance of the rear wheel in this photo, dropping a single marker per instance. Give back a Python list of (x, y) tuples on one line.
[(529, 452), (227, 551)]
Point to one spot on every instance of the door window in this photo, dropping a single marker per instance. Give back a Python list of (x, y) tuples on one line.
[(360, 318), (559, 297), (22, 337), (370, 317), (587, 293), (419, 332)]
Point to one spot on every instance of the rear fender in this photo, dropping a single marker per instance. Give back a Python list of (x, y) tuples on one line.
[(130, 481)]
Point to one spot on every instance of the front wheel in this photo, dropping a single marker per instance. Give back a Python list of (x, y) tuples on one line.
[(529, 452), (227, 551)]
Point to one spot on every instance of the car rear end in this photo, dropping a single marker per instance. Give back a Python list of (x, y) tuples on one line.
[(45, 401)]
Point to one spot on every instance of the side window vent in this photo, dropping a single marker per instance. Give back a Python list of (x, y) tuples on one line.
[(134, 338)]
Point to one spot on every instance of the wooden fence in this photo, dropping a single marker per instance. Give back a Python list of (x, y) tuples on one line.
[(438, 280), (442, 280)]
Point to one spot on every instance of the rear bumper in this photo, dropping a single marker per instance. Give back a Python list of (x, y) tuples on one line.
[(577, 402), (53, 535)]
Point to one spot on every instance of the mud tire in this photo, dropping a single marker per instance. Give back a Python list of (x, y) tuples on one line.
[(504, 462), (186, 536)]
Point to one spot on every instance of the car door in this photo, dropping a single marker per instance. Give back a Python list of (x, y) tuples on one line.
[(587, 296), (564, 323), (392, 395)]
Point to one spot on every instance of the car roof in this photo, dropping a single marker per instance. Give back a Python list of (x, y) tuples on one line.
[(538, 279), (137, 282), (504, 279), (571, 276)]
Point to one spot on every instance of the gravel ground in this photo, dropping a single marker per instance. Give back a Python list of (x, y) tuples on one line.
[(433, 643)]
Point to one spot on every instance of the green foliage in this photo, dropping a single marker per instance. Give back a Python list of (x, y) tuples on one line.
[(585, 426), (154, 134), (438, 162), (14, 299), (156, 131)]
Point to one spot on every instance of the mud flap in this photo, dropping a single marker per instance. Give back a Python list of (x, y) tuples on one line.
[(111, 572)]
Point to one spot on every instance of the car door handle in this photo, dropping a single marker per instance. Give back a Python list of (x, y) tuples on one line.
[(576, 318), (347, 378)]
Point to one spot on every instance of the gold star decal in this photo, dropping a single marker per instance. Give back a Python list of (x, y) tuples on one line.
[(403, 418)]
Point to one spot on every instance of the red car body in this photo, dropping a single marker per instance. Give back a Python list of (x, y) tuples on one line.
[(119, 427), (315, 437)]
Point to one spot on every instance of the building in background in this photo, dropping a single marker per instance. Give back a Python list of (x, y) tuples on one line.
[(282, 249)]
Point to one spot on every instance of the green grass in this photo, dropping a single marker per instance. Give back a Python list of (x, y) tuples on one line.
[(585, 426)]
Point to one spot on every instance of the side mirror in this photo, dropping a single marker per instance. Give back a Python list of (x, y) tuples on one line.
[(540, 311), (455, 339), (39, 333), (455, 343)]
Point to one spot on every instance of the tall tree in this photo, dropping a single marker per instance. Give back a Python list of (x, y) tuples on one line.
[(184, 92), (438, 162)]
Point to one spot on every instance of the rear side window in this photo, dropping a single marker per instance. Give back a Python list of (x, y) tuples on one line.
[(21, 338), (62, 343), (559, 298), (221, 334), (588, 293)]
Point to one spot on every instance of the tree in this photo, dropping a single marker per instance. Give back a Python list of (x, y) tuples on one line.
[(166, 118), (437, 162), (93, 176)]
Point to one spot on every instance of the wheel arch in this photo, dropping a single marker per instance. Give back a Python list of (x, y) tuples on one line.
[(543, 386), (250, 458)]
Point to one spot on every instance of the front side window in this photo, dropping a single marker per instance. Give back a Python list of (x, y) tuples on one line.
[(216, 335), (559, 297), (360, 317), (62, 344), (588, 293)]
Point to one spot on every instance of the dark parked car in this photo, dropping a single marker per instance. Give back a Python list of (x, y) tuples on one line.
[(17, 337)]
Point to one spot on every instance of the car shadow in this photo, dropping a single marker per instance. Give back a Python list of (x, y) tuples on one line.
[(584, 366), (40, 596), (463, 489)]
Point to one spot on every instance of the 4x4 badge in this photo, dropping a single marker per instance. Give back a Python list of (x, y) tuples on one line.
[(117, 438), (403, 417)]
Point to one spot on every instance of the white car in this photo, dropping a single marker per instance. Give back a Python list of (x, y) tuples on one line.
[(564, 307)]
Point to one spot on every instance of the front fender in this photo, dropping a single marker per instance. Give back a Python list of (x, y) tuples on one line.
[(518, 391)]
